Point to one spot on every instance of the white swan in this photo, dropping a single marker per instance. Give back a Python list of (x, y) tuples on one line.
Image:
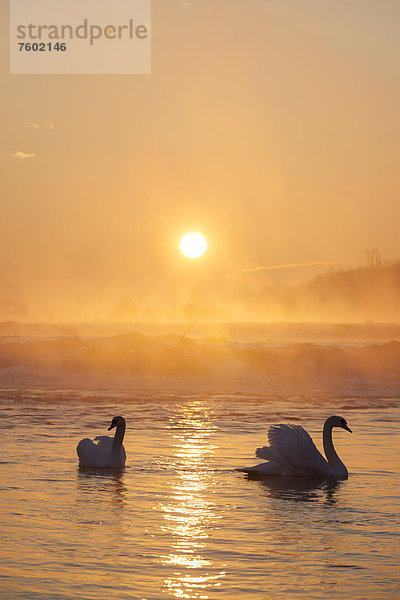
[(291, 452), (108, 452)]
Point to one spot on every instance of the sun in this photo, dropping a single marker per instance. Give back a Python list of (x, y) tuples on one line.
[(193, 245)]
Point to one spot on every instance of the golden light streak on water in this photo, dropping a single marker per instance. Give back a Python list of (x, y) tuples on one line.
[(188, 515)]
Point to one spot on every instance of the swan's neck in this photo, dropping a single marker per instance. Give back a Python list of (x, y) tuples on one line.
[(118, 439), (331, 456)]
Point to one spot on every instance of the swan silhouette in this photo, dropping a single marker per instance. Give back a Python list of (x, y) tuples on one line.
[(291, 452), (107, 452)]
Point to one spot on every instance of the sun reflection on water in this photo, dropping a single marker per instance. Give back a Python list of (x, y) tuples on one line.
[(189, 514)]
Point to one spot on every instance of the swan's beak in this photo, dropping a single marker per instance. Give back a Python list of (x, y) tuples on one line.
[(347, 428), (113, 424)]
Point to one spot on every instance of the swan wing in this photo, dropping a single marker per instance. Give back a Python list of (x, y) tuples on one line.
[(92, 455), (104, 441), (292, 449)]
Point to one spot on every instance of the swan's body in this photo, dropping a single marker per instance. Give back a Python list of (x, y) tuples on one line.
[(291, 452), (107, 452)]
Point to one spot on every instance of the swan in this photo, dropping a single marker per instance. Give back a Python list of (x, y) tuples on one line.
[(107, 452), (291, 452)]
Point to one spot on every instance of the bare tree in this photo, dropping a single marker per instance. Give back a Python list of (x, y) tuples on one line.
[(374, 259)]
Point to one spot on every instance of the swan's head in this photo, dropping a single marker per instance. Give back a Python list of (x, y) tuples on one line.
[(339, 422), (117, 422)]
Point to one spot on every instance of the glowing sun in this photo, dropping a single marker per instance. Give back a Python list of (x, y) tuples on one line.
[(193, 245)]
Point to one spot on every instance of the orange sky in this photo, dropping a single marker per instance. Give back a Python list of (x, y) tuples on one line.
[(271, 126)]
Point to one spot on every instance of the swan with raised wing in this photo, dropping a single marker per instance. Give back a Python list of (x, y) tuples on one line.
[(291, 452), (107, 451)]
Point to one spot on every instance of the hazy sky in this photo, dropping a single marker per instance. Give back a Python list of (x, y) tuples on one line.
[(271, 126)]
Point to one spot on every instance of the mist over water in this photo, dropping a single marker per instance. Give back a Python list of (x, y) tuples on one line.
[(204, 292), (102, 355)]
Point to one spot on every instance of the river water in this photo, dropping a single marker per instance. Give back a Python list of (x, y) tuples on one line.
[(180, 521)]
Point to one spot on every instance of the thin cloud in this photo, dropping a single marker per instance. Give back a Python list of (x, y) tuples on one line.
[(317, 263), (20, 154), (49, 125)]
